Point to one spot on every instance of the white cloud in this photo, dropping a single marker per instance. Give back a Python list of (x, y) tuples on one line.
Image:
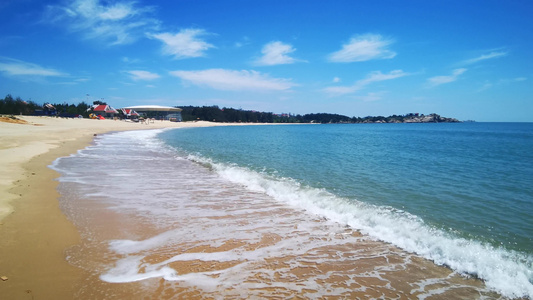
[(114, 22), (244, 42), (500, 82), (485, 57), (360, 84), (128, 60), (517, 79), (116, 12), (438, 80), (363, 48), (183, 44), (341, 90), (485, 86), (14, 67), (142, 75), (232, 80), (336, 79), (276, 53), (378, 76), (369, 97)]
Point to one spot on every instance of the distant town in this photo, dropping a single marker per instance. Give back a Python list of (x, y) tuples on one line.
[(17, 106)]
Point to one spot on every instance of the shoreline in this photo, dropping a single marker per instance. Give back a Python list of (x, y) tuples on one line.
[(35, 232), (37, 237), (205, 236), (22, 142)]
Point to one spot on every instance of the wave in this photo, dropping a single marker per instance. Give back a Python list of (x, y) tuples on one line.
[(505, 271)]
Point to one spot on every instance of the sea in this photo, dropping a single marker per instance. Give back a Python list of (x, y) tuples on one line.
[(312, 211)]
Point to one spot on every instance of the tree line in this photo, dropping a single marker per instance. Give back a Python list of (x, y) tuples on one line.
[(216, 114), (17, 106), (232, 115)]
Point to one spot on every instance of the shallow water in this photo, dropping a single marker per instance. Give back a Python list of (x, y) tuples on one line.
[(472, 177), (232, 221)]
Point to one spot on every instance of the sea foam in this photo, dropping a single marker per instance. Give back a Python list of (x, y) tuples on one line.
[(510, 273), (506, 271)]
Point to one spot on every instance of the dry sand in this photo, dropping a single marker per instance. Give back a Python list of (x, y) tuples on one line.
[(33, 231)]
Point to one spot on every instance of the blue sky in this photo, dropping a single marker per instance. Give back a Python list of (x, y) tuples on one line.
[(463, 59)]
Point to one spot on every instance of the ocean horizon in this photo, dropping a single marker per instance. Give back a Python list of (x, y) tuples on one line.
[(455, 195)]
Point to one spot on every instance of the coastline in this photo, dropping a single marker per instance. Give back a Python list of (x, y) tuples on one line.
[(38, 237), (35, 233), (22, 142)]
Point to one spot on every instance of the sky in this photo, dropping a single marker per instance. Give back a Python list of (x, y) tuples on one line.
[(470, 60)]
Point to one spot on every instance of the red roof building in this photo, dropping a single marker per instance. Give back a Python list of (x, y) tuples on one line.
[(104, 110), (129, 112)]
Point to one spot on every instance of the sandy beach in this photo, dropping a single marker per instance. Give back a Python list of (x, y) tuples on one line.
[(34, 232), (43, 254)]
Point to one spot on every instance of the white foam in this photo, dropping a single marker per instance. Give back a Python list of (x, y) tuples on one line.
[(508, 272), (188, 218), (123, 271)]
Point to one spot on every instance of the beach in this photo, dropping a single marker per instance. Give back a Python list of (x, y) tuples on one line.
[(34, 232), (133, 218)]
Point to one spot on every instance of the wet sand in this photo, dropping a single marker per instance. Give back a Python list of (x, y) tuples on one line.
[(347, 265), (34, 233)]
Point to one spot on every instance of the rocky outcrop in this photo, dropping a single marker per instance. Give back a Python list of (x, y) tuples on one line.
[(408, 118), (432, 118)]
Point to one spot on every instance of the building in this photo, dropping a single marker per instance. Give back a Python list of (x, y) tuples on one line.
[(47, 110), (104, 110), (158, 112), (129, 113)]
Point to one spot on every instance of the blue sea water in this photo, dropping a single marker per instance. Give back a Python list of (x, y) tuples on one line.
[(460, 194)]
